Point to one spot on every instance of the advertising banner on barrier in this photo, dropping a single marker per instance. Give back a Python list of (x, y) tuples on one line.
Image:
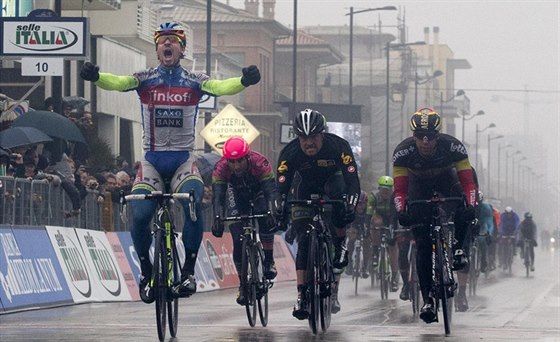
[(73, 262), (124, 265), (30, 274), (221, 252), (204, 272), (105, 270), (283, 259), (130, 253)]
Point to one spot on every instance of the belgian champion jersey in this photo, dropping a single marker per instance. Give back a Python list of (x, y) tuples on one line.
[(449, 153)]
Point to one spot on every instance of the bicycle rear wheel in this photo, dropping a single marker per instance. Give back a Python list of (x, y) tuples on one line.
[(527, 257), (383, 274), (160, 283), (262, 289), (248, 285), (326, 277), (173, 303), (312, 275)]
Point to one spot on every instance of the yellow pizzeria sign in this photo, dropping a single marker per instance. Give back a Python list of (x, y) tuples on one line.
[(228, 123)]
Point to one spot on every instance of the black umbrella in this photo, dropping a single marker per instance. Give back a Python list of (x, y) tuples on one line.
[(206, 164), (75, 101), (22, 136), (52, 124)]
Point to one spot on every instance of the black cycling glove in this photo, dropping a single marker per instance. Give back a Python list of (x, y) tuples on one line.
[(251, 75), (218, 227), (404, 219), (89, 72), (349, 215)]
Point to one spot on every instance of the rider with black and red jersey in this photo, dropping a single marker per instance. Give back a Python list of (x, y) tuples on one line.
[(426, 162), (240, 177), (169, 97)]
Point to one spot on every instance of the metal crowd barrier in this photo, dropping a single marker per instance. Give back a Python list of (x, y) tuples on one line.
[(26, 202)]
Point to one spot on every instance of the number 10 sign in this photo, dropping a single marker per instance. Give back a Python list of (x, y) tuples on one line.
[(42, 66)]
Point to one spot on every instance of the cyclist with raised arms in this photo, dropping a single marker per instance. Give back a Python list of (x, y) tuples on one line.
[(316, 163), (432, 161), (169, 96), (240, 177)]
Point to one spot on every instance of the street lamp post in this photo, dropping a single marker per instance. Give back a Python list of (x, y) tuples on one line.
[(488, 164), (499, 159), (513, 184), (492, 125), (460, 92), (388, 93), (464, 118), (508, 155), (351, 52), (418, 82)]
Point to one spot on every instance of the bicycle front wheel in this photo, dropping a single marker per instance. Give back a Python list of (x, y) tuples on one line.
[(356, 266), (312, 275), (160, 283), (383, 274), (442, 288), (474, 270), (248, 286), (326, 279), (527, 257), (262, 289), (413, 282), (173, 303)]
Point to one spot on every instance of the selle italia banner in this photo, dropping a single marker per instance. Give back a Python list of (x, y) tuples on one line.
[(64, 37)]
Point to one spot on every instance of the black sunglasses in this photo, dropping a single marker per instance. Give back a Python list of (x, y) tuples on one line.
[(429, 135)]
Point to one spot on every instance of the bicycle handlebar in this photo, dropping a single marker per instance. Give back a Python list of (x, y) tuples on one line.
[(319, 201), (244, 217), (402, 230), (436, 200), (157, 195)]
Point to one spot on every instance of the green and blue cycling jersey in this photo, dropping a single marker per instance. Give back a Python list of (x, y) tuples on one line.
[(169, 100)]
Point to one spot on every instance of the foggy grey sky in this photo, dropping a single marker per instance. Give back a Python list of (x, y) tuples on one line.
[(510, 45)]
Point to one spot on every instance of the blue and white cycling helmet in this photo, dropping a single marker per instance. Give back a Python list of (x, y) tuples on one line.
[(171, 28)]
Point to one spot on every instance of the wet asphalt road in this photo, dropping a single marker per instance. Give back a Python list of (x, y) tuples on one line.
[(506, 308)]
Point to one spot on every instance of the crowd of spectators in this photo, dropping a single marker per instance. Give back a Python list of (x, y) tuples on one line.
[(67, 164), (77, 180)]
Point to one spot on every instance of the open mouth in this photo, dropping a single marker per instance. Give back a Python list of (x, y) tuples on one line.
[(167, 53)]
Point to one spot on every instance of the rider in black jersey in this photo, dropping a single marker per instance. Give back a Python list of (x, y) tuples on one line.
[(316, 163), (426, 162)]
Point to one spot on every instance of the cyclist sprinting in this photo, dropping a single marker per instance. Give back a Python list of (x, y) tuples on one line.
[(240, 177), (169, 96), (528, 230), (360, 227), (316, 163), (381, 209), (428, 161)]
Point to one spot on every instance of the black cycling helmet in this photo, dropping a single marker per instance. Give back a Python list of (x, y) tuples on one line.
[(309, 122), (425, 120)]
